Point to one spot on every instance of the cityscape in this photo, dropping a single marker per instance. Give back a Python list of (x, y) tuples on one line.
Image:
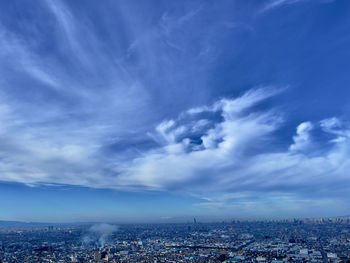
[(177, 131), (276, 241)]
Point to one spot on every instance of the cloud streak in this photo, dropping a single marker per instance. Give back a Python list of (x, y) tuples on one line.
[(274, 4)]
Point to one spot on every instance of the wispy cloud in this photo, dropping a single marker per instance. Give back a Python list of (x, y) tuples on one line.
[(15, 51), (79, 39), (274, 4)]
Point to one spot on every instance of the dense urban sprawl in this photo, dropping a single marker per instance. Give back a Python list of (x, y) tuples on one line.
[(307, 240)]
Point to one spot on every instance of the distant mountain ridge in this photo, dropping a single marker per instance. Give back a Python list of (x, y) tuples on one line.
[(18, 224), (7, 224)]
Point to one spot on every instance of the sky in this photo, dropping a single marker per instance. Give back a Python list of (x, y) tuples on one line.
[(161, 111)]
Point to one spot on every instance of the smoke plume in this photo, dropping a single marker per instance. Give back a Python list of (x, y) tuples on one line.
[(99, 234)]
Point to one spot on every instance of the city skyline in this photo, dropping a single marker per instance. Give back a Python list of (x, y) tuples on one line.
[(162, 111)]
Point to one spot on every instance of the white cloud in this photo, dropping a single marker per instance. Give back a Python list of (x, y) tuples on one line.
[(273, 4), (302, 139), (227, 159), (278, 3), (331, 125), (235, 162), (223, 147), (70, 31), (15, 51)]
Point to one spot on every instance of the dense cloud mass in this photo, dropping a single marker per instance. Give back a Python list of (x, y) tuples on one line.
[(215, 151), (231, 154), (177, 98)]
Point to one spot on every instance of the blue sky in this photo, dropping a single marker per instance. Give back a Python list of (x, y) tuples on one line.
[(164, 110)]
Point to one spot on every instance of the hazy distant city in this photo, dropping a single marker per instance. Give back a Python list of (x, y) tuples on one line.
[(276, 241)]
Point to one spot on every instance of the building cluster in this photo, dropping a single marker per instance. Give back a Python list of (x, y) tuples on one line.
[(238, 241)]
